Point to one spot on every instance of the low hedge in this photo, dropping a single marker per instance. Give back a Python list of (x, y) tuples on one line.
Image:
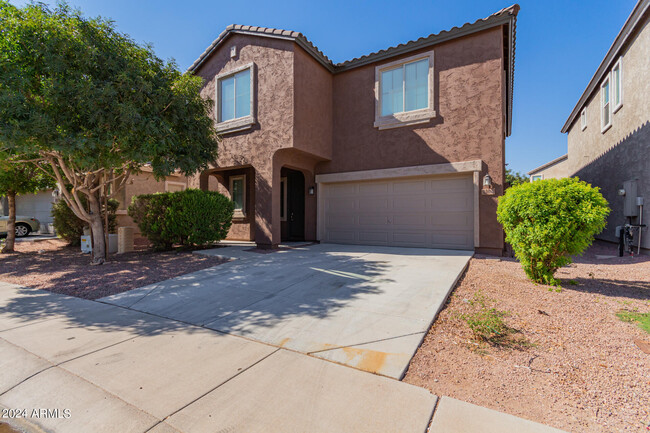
[(188, 218)]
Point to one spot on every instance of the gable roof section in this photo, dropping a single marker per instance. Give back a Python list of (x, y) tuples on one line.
[(633, 21), (548, 164), (506, 16)]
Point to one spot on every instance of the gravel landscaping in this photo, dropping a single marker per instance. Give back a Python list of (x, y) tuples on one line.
[(574, 365), (51, 265)]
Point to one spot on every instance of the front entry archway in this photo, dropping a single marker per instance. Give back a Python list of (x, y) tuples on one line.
[(292, 199)]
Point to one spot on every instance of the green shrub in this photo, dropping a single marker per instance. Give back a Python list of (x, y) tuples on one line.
[(70, 228), (547, 221), (188, 218), (486, 322)]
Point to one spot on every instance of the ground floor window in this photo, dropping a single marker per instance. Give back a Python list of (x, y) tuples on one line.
[(238, 194)]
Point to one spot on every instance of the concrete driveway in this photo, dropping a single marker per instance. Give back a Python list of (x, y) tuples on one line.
[(365, 307)]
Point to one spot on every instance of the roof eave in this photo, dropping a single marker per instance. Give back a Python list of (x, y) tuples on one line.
[(548, 164)]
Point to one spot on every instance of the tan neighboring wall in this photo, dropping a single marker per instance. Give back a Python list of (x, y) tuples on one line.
[(586, 145), (556, 169)]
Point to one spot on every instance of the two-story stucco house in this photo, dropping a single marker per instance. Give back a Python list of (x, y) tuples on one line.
[(609, 128), (392, 148)]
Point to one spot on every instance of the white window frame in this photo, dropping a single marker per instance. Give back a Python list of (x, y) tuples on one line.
[(283, 185), (618, 65), (170, 182), (540, 176), (239, 213), (404, 118), (239, 123), (583, 119), (604, 127)]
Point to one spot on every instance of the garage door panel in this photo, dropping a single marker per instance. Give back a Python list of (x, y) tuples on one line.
[(341, 204), (374, 238), (373, 204), (373, 220), (430, 211)]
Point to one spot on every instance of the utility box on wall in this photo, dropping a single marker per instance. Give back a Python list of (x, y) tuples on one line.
[(630, 208)]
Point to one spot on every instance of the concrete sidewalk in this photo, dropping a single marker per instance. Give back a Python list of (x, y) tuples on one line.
[(102, 368)]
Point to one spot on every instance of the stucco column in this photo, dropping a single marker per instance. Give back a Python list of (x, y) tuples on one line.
[(267, 206)]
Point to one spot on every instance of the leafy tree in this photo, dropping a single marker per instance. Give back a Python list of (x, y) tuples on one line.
[(515, 178), (548, 221), (18, 178), (95, 106)]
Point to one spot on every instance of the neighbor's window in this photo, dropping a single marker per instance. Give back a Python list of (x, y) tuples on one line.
[(617, 89), (404, 93), (605, 105), (238, 194), (537, 177), (583, 118)]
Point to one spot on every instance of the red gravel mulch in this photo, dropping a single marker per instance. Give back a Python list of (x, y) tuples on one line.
[(51, 265), (582, 372)]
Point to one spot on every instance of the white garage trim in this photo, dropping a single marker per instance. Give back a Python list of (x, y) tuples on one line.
[(474, 167), (387, 173)]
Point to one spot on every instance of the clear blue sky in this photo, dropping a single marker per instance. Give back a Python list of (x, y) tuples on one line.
[(559, 43)]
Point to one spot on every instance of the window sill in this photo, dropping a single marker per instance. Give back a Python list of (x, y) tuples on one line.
[(238, 215), (606, 128), (404, 119), (235, 125), (618, 107)]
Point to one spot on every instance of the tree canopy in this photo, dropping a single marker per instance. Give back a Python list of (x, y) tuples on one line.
[(94, 105)]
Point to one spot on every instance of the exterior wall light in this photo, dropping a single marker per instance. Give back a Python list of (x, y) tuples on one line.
[(311, 190), (488, 188)]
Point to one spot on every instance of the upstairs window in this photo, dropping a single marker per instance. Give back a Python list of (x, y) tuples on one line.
[(583, 118), (617, 86), (605, 105), (405, 88), (235, 92), (404, 92), (235, 98)]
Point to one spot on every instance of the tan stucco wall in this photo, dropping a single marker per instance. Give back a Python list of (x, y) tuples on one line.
[(555, 171), (622, 152), (585, 146)]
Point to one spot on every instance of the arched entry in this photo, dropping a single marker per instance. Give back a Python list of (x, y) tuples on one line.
[(292, 205)]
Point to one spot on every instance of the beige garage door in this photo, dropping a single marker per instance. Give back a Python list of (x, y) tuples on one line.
[(427, 212)]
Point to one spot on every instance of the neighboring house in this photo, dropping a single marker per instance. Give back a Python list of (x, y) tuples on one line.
[(609, 128), (37, 205), (392, 148), (556, 169)]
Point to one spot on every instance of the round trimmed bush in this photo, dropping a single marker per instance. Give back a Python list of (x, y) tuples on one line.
[(548, 221), (188, 218)]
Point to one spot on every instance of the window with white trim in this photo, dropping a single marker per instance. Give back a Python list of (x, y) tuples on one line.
[(536, 177), (171, 186), (238, 194), (617, 86), (605, 105), (235, 99), (583, 118), (404, 92)]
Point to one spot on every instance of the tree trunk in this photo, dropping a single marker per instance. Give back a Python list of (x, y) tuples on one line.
[(11, 223), (97, 228)]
